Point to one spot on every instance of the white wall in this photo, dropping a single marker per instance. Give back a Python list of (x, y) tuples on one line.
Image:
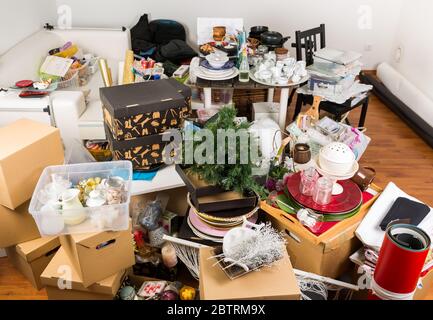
[(21, 18), (414, 37), (341, 16)]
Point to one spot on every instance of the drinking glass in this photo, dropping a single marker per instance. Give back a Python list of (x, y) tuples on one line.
[(323, 191), (308, 181)]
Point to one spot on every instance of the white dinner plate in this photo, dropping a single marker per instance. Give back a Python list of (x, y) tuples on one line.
[(204, 76)]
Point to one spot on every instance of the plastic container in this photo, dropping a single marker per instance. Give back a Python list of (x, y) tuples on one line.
[(54, 221), (71, 79)]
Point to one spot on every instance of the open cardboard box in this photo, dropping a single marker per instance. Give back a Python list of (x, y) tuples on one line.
[(32, 257), (96, 256), (327, 254), (63, 282)]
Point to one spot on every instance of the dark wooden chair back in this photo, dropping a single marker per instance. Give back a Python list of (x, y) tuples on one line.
[(307, 41)]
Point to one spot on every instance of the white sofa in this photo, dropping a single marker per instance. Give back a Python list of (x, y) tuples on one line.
[(77, 117)]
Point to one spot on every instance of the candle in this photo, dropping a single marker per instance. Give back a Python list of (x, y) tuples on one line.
[(169, 257)]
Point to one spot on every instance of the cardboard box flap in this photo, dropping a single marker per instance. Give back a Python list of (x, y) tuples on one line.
[(61, 269), (96, 240), (18, 132), (34, 249)]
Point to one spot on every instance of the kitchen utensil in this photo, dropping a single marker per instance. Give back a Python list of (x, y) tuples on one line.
[(256, 31), (273, 38)]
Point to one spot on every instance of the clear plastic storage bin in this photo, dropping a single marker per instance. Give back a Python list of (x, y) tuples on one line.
[(55, 203)]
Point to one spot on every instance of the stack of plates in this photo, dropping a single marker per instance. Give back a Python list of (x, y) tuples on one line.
[(226, 72), (342, 206), (213, 226)]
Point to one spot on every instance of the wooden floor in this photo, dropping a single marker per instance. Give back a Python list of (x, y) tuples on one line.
[(396, 153)]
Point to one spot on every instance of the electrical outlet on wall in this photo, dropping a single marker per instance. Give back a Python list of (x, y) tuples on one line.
[(398, 54)]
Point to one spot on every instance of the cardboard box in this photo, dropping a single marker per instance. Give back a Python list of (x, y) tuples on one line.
[(96, 256), (327, 254), (17, 226), (26, 148), (263, 110), (426, 292), (275, 283), (32, 257), (61, 271)]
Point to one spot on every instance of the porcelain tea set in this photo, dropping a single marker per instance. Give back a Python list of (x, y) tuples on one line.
[(273, 72)]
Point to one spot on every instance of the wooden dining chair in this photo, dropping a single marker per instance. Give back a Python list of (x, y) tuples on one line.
[(307, 43)]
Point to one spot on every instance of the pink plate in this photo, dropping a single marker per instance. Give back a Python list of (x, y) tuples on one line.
[(208, 229)]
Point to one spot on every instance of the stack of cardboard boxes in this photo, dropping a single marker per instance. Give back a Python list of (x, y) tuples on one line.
[(84, 266), (26, 148), (89, 266)]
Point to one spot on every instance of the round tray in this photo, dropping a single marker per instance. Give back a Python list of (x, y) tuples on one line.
[(346, 202), (289, 84)]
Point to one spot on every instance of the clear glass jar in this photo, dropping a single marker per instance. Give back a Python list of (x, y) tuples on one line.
[(323, 191), (308, 181)]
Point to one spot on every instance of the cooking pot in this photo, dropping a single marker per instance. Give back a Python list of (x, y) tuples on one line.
[(259, 29), (256, 31), (273, 38)]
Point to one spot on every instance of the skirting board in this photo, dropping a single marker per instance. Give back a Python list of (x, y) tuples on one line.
[(422, 128)]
